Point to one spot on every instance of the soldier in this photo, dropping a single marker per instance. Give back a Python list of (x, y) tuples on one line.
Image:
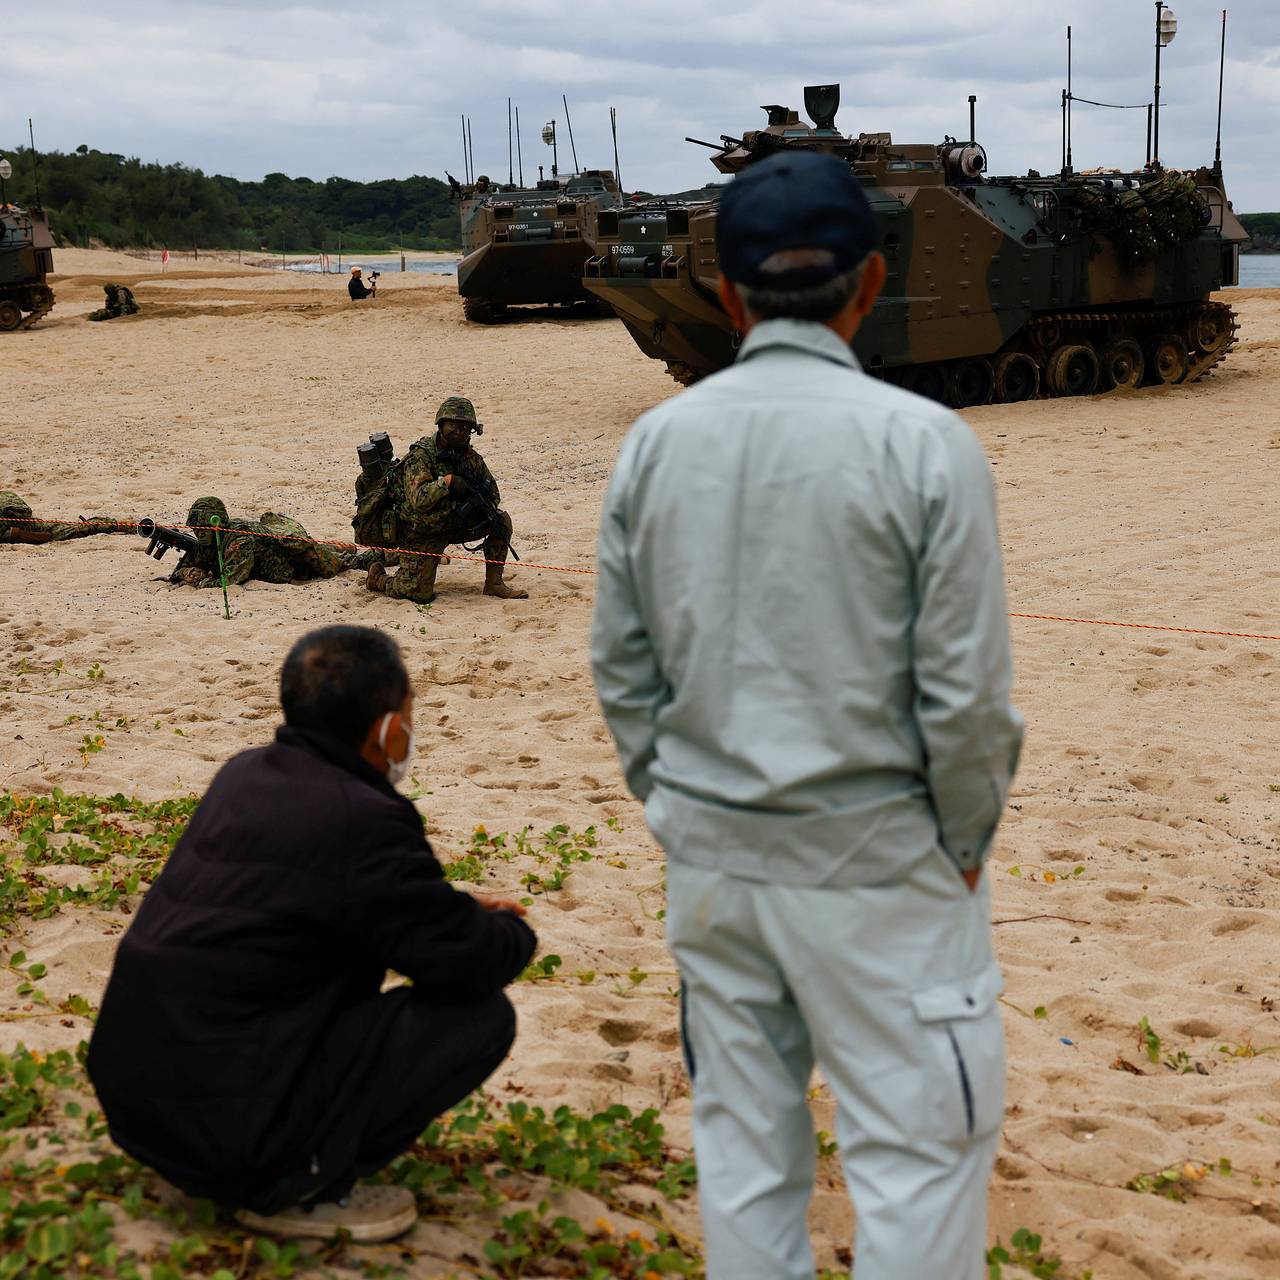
[(274, 548), (445, 485), (119, 303), (17, 524)]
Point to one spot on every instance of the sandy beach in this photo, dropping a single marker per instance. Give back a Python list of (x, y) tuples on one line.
[(1137, 874)]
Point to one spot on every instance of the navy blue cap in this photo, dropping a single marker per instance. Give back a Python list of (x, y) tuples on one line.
[(794, 200)]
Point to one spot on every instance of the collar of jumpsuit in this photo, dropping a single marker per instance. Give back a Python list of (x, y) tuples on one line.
[(811, 337)]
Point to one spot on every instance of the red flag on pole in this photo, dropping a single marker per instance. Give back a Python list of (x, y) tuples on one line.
[(164, 260)]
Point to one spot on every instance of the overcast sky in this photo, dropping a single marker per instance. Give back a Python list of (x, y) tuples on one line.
[(249, 87)]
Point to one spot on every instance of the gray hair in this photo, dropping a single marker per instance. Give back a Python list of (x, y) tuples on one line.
[(815, 302)]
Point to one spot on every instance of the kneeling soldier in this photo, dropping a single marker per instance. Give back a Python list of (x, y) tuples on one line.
[(448, 497)]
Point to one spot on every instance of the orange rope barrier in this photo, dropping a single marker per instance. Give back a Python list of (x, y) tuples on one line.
[(562, 568), (1145, 626)]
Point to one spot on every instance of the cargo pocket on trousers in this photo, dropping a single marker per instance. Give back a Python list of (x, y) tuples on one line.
[(686, 1047), (962, 1021)]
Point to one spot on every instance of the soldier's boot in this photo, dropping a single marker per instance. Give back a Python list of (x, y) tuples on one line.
[(496, 548), (376, 579)]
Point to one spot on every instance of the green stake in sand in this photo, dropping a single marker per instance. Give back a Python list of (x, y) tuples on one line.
[(222, 568)]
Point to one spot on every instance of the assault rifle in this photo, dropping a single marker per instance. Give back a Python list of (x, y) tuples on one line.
[(161, 538), (478, 509)]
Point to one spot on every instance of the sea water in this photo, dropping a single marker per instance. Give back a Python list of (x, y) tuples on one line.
[(1257, 270), (1260, 270), (386, 263)]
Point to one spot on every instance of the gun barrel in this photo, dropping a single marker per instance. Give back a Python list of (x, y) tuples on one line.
[(160, 538)]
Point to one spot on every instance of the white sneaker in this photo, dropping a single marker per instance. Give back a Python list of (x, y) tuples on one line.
[(369, 1215)]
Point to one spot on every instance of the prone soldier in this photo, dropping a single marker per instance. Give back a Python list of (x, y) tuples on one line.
[(273, 548), (446, 496), (18, 524)]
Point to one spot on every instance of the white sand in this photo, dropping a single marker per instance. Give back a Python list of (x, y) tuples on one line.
[(1149, 758)]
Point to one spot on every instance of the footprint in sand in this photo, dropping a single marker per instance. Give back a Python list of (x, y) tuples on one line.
[(1150, 783), (1233, 924), (1123, 895), (1197, 1029)]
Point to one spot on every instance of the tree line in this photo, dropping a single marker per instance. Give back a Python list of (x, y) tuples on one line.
[(105, 198), (1264, 232)]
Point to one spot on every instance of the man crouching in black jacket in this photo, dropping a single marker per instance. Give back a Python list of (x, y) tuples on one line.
[(245, 1049)]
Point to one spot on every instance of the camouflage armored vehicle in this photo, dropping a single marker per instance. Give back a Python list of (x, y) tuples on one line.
[(26, 258), (998, 288), (526, 245)]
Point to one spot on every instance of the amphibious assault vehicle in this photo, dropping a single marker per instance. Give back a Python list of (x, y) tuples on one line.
[(26, 258), (998, 288), (526, 245)]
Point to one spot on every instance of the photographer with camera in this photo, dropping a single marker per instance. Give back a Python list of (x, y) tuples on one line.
[(357, 288)]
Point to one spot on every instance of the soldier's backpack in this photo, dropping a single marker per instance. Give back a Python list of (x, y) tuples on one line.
[(308, 557), (379, 493)]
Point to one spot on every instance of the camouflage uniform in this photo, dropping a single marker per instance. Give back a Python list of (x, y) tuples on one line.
[(21, 526), (247, 553), (119, 303), (432, 517)]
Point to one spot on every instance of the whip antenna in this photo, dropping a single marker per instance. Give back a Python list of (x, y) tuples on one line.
[(617, 168), (519, 157), (35, 161), (569, 122), (1222, 66)]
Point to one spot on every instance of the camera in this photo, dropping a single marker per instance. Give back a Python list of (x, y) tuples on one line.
[(373, 275)]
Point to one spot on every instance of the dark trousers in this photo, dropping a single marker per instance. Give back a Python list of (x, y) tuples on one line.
[(388, 1067)]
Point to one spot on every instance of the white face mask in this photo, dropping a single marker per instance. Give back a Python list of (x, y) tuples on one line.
[(396, 769)]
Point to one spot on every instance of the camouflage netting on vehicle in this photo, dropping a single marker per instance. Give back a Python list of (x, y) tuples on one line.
[(1141, 223)]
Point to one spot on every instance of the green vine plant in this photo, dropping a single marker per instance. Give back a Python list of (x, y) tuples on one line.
[(494, 1170)]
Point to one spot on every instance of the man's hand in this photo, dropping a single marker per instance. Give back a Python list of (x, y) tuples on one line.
[(499, 904), (972, 877), (191, 576)]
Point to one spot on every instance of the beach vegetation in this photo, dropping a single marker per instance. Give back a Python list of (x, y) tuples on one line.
[(122, 202)]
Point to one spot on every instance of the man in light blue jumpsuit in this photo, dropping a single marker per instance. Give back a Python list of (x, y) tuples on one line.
[(801, 646)]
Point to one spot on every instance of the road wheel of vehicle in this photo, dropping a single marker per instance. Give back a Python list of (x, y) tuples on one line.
[(1122, 365), (1073, 371), (926, 380), (10, 316), (1017, 378), (970, 383), (1169, 361), (38, 296), (1046, 335), (482, 310), (1210, 331)]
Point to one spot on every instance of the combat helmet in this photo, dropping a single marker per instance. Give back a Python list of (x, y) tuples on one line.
[(458, 409), (200, 517), (13, 506)]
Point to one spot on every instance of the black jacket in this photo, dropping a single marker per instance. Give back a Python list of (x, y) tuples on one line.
[(358, 288), (302, 878)]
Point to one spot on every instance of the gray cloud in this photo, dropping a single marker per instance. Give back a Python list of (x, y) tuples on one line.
[(318, 88)]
